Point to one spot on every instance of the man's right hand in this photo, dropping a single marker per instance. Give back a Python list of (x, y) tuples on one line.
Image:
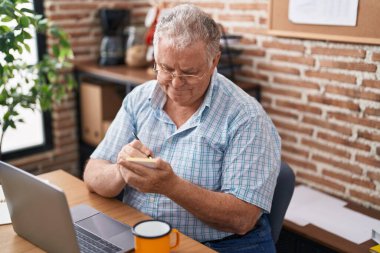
[(134, 149)]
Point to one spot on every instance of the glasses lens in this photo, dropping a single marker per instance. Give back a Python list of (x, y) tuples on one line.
[(168, 76)]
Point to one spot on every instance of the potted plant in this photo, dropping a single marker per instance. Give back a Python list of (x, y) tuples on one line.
[(32, 86)]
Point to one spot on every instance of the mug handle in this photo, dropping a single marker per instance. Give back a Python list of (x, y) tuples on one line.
[(176, 238)]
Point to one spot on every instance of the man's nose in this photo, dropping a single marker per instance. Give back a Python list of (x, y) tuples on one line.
[(177, 81)]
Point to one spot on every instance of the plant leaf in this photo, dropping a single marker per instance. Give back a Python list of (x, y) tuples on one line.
[(24, 22)]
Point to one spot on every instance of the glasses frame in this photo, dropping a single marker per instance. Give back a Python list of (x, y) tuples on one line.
[(172, 75)]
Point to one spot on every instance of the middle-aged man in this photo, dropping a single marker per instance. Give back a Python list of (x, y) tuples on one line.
[(217, 152)]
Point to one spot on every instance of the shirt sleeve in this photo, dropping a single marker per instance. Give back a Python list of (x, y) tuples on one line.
[(118, 134), (252, 161)]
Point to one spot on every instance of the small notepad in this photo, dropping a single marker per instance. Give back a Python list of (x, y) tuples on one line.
[(4, 213)]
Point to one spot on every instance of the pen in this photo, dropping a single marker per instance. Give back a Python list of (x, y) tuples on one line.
[(137, 138)]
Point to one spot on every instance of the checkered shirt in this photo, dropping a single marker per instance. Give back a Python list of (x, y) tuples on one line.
[(229, 145)]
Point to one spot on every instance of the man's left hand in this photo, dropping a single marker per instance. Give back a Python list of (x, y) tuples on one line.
[(144, 179)]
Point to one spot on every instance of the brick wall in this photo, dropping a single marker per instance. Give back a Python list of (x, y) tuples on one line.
[(324, 97)]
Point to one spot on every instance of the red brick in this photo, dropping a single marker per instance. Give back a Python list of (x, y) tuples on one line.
[(334, 102), (374, 175), (81, 51), (359, 53), (293, 127), (371, 83), (294, 59), (325, 148), (247, 30), (83, 24), (358, 93), (354, 119), (365, 196), (78, 6), (64, 124), (248, 41), (296, 83), (32, 159), (247, 85), (94, 42), (295, 151), (61, 133), (80, 33), (284, 46), (285, 114), (249, 6), (63, 115), (349, 179), (331, 76), (64, 105), (287, 137), (347, 167), (372, 111), (369, 160), (266, 100), (77, 17), (299, 107), (64, 141), (359, 66), (282, 92), (236, 17), (299, 163), (213, 5), (132, 6), (64, 149), (254, 52), (376, 57), (321, 181), (246, 62), (369, 136), (277, 68), (64, 134), (253, 74), (263, 21), (342, 141)]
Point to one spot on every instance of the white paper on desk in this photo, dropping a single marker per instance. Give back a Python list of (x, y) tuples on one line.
[(324, 12), (344, 222), (303, 201), (4, 213)]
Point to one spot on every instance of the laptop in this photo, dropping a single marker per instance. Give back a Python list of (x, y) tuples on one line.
[(40, 213)]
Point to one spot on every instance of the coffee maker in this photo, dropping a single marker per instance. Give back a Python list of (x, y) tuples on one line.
[(113, 22)]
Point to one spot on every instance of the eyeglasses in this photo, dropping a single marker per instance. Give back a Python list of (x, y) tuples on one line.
[(168, 76)]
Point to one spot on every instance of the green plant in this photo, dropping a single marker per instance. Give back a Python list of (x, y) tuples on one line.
[(33, 86)]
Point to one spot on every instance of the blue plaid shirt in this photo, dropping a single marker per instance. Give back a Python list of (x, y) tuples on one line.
[(229, 145)]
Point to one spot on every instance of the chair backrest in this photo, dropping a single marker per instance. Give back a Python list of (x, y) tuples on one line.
[(282, 195)]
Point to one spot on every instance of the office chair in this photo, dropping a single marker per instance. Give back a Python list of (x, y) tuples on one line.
[(282, 195)]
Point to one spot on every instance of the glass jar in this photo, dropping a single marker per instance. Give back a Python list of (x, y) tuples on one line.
[(136, 48)]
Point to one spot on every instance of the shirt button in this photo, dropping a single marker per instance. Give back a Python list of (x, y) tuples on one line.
[(151, 199)]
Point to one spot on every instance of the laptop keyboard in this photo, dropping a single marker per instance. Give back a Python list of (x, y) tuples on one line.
[(89, 242)]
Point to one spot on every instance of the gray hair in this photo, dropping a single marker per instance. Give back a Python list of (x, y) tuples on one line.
[(186, 24)]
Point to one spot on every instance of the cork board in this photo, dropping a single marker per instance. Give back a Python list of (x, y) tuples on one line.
[(366, 31)]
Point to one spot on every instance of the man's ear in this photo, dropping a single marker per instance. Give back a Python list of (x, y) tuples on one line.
[(216, 59)]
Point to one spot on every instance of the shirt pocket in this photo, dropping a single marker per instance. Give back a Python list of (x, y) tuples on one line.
[(200, 161)]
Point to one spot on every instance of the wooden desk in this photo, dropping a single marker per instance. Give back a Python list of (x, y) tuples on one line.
[(77, 193), (316, 237)]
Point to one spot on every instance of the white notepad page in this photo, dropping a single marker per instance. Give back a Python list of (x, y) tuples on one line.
[(4, 213)]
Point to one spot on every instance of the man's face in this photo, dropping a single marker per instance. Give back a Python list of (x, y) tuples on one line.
[(184, 75)]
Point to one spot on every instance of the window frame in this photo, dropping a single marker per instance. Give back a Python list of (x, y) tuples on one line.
[(46, 116)]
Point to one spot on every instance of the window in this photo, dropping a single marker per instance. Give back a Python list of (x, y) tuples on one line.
[(34, 135)]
